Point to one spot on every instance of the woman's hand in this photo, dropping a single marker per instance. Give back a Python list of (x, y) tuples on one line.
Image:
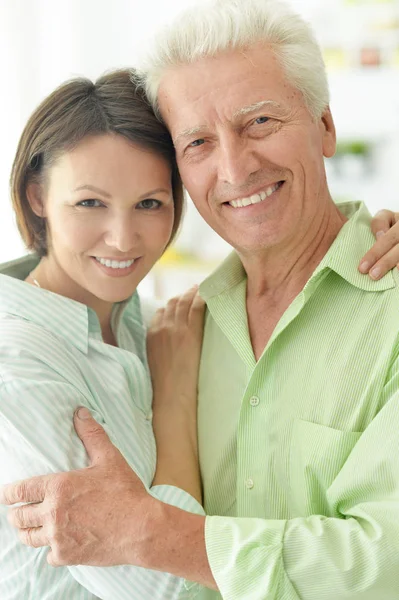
[(174, 349), (384, 255), (174, 343)]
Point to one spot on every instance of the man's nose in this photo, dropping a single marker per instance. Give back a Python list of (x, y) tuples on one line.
[(236, 161)]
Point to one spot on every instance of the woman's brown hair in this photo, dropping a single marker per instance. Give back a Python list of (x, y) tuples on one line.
[(115, 104)]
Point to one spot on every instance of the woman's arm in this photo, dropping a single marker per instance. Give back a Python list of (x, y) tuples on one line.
[(174, 349)]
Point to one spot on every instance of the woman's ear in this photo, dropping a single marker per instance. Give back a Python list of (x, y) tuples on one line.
[(34, 193)]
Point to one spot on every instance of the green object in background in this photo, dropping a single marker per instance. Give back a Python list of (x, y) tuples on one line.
[(356, 147)]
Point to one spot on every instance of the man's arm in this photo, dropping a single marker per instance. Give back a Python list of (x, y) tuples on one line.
[(351, 553), (24, 410)]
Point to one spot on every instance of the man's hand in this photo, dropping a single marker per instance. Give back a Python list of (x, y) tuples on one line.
[(384, 255), (93, 516)]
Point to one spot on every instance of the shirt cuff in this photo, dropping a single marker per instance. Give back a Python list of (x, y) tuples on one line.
[(245, 556), (181, 499)]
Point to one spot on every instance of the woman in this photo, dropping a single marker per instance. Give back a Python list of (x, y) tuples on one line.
[(98, 197)]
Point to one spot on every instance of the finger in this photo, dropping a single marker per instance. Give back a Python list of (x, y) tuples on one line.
[(197, 311), (95, 440), (385, 264), (184, 305), (34, 537), (157, 318), (26, 490), (170, 310), (382, 221), (386, 248), (24, 517)]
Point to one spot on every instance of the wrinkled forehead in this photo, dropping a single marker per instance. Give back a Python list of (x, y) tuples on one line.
[(223, 87)]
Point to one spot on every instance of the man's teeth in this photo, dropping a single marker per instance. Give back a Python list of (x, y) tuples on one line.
[(115, 264), (256, 198)]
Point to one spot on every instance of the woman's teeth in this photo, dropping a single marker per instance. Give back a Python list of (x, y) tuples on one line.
[(115, 264), (256, 198)]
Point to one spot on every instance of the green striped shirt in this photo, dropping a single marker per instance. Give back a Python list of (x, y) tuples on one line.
[(53, 359), (300, 450)]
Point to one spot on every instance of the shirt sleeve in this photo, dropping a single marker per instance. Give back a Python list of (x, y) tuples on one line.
[(37, 437), (350, 552)]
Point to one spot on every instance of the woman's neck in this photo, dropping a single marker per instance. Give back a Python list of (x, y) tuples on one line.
[(49, 276)]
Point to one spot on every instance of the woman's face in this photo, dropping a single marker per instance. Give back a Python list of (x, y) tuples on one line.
[(109, 210)]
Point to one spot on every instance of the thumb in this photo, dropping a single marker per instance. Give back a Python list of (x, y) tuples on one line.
[(95, 440)]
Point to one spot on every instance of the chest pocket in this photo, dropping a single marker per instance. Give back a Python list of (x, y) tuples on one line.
[(317, 455)]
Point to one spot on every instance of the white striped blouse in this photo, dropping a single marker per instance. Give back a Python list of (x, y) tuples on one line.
[(53, 359)]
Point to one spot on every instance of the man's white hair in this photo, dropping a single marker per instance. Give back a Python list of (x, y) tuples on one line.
[(210, 28)]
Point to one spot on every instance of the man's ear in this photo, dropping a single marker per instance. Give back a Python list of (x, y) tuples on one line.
[(329, 137), (34, 193)]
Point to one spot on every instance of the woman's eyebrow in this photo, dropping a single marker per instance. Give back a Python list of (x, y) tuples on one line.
[(156, 191), (92, 188)]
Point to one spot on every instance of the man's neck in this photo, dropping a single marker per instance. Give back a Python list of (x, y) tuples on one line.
[(284, 270), (276, 278)]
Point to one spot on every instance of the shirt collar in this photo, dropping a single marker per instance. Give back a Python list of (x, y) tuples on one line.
[(353, 241), (348, 248), (63, 317)]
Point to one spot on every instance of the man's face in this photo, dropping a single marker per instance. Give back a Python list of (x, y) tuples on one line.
[(248, 150)]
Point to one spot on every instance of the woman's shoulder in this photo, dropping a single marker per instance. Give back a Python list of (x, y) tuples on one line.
[(27, 346)]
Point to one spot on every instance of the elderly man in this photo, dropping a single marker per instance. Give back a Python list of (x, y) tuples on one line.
[(299, 383)]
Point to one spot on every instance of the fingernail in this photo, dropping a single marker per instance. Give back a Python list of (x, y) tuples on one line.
[(379, 234), (83, 413), (364, 267), (375, 273)]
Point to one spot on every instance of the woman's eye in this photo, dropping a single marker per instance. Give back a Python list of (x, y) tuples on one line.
[(261, 120), (149, 204), (89, 203)]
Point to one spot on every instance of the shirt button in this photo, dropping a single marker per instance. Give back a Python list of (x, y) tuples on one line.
[(254, 401), (148, 416), (249, 484)]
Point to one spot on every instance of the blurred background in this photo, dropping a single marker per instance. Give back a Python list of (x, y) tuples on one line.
[(44, 42)]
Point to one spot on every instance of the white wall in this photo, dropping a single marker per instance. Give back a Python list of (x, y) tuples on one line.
[(43, 42)]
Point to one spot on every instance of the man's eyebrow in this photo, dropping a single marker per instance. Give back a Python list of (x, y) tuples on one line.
[(240, 112), (92, 188), (188, 133), (254, 107)]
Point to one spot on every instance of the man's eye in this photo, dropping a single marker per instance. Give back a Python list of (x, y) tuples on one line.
[(196, 143), (90, 203), (262, 120), (149, 204)]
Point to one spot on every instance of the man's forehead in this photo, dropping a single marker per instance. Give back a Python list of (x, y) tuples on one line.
[(255, 69)]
